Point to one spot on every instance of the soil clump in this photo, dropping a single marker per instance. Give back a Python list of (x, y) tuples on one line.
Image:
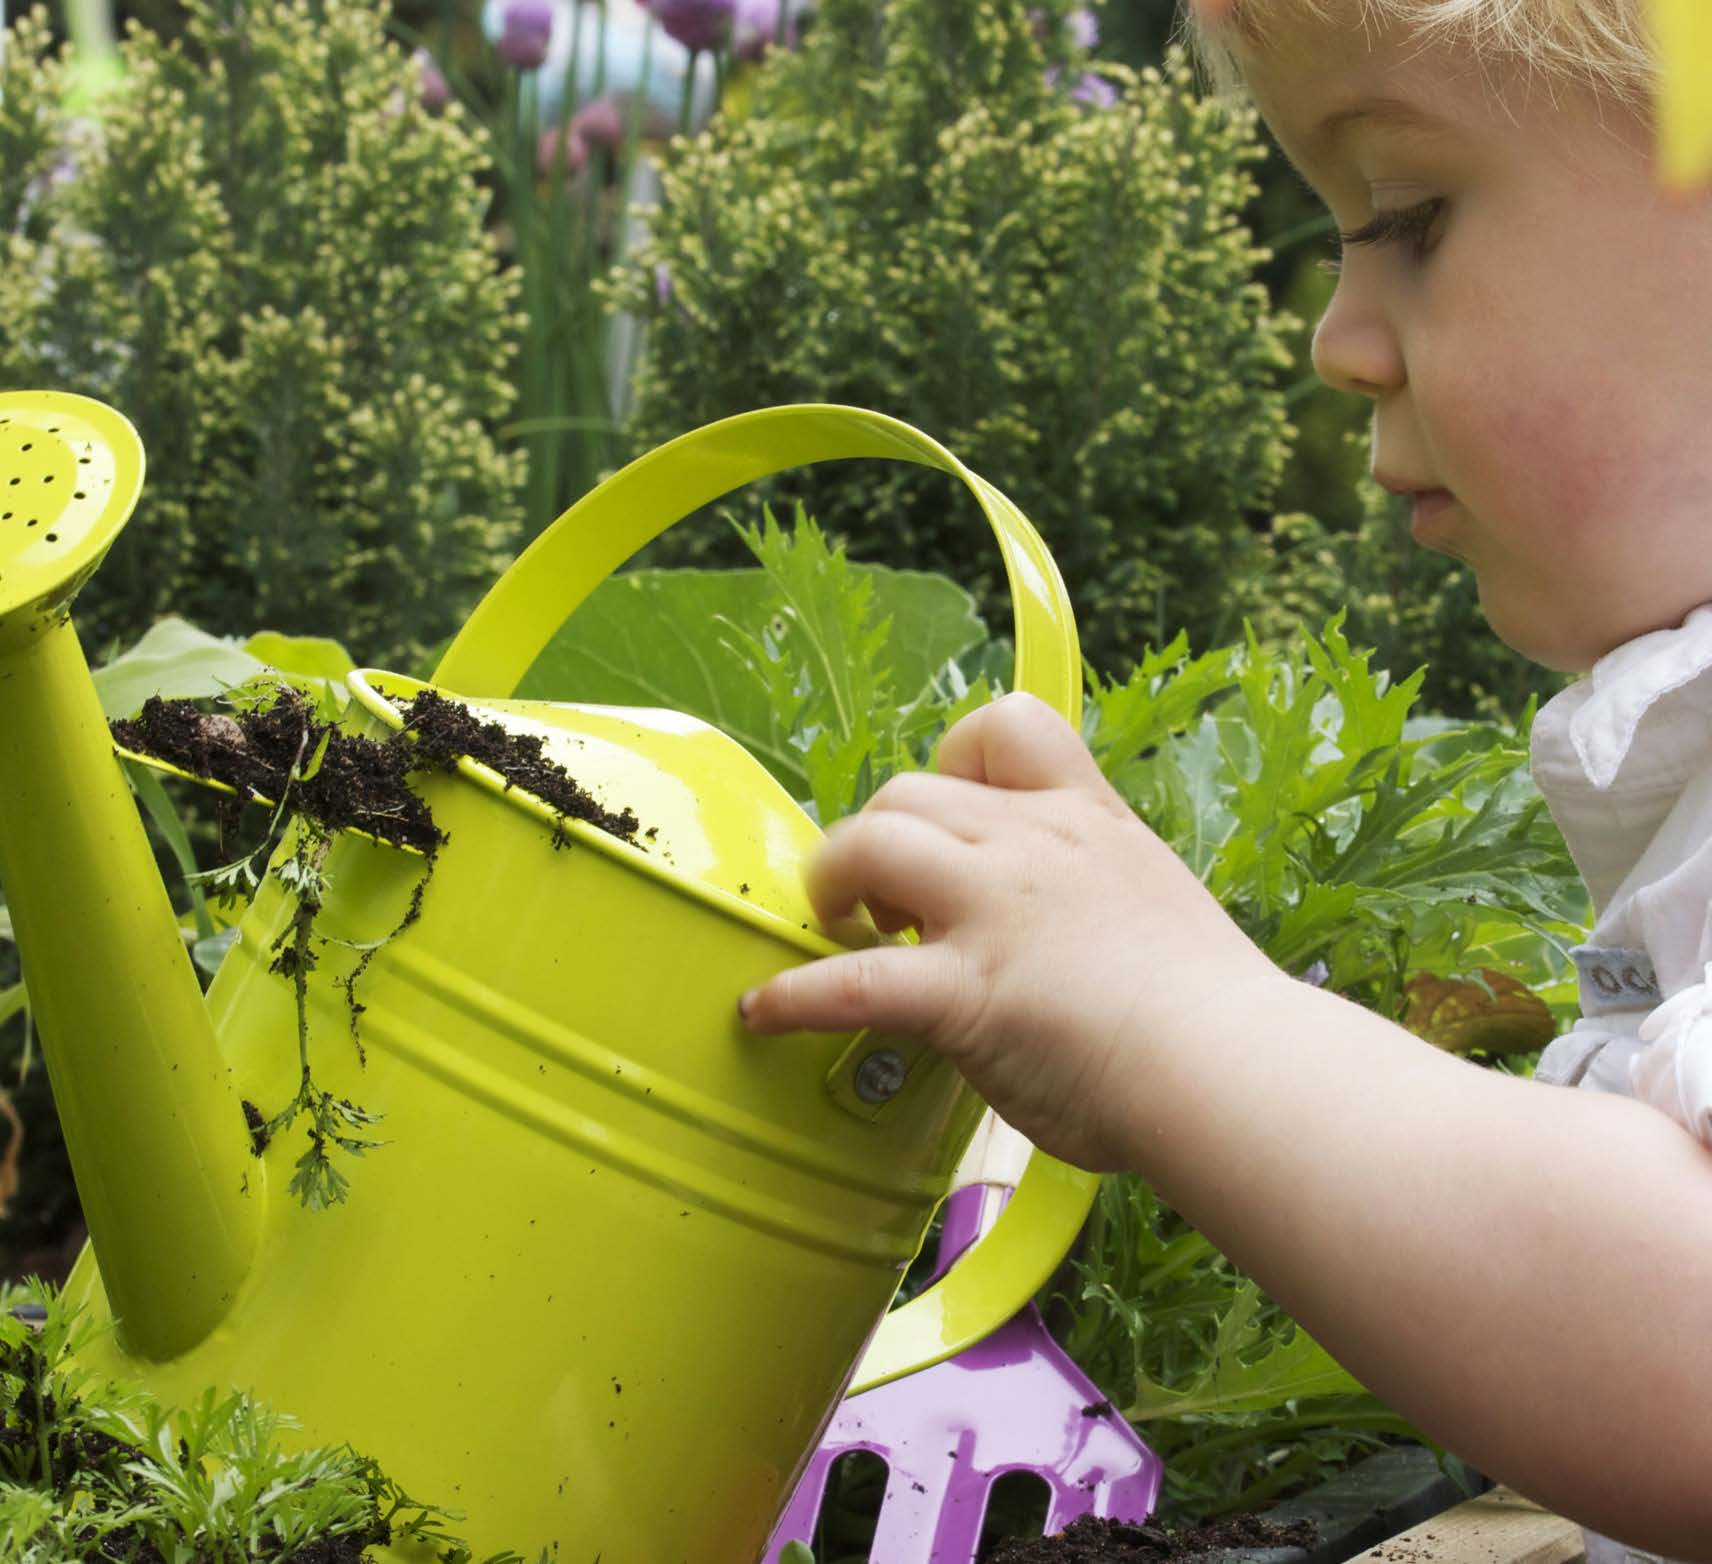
[(1093, 1540), (344, 781), (446, 730)]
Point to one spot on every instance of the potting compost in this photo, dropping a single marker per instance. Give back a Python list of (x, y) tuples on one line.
[(1094, 1540), (360, 783)]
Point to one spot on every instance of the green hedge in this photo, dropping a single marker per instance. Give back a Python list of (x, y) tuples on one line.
[(267, 255), (917, 215)]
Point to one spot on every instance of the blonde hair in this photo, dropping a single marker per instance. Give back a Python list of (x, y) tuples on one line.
[(1605, 44)]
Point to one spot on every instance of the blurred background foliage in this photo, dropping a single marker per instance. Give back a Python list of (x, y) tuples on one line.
[(969, 214), (272, 257)]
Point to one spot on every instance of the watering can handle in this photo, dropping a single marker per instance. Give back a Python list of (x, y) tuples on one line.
[(523, 610)]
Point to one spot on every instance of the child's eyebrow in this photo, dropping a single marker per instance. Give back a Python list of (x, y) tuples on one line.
[(1386, 112)]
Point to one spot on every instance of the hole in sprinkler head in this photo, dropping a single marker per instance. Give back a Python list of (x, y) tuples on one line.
[(53, 537), (80, 495)]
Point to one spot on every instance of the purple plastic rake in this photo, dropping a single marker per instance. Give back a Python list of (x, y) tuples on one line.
[(1014, 1402)]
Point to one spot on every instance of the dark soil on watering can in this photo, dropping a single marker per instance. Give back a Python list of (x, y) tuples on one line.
[(360, 783), (1096, 1541), (445, 730)]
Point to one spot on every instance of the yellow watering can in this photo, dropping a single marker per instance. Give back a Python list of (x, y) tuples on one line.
[(604, 1282)]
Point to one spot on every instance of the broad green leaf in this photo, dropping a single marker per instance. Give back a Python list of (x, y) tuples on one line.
[(312, 657), (159, 807), (1682, 30), (174, 660), (675, 638)]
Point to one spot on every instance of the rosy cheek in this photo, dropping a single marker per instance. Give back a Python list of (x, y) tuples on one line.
[(1532, 463)]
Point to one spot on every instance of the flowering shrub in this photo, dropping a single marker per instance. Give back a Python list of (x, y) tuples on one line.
[(916, 216), (270, 256)]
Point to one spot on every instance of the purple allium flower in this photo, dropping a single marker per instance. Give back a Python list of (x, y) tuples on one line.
[(526, 28), (432, 90), (696, 24), (598, 123), (1095, 91), (755, 28), (1084, 28), (1081, 24), (560, 151)]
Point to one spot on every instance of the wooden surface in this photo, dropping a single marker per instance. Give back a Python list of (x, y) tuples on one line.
[(1499, 1527)]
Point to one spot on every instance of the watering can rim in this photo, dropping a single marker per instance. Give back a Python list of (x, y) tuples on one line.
[(360, 682)]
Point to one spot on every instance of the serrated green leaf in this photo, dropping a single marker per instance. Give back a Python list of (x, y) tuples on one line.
[(1162, 697), (1293, 1370), (775, 656)]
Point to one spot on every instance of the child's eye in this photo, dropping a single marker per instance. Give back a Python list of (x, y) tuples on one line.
[(1411, 225)]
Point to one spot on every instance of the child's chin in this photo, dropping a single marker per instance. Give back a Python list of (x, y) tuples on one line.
[(1539, 637)]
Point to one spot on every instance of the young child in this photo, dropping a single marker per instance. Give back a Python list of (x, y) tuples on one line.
[(1522, 1269)]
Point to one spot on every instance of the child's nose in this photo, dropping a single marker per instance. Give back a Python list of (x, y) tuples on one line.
[(1355, 348)]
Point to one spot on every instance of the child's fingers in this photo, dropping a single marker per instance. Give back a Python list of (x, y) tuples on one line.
[(900, 863), (1018, 742), (967, 810), (892, 988)]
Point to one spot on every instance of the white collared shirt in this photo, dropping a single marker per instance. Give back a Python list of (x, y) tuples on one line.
[(1624, 760)]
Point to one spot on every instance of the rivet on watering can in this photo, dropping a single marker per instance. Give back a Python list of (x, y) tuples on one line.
[(880, 1075)]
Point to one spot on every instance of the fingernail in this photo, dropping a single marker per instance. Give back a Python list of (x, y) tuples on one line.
[(746, 1003)]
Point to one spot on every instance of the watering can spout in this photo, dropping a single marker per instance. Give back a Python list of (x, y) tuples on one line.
[(155, 1132)]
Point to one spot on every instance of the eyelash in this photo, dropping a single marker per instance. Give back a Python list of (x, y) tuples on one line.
[(1410, 224)]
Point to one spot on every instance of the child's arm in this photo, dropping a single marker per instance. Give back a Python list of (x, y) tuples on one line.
[(1524, 1271)]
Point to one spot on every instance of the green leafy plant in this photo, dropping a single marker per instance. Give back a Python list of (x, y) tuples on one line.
[(916, 215), (264, 251), (92, 1470), (833, 674)]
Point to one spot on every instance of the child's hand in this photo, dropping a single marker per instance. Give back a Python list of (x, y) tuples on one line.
[(1062, 941)]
